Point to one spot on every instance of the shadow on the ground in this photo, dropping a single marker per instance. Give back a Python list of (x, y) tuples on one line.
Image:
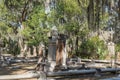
[(17, 68)]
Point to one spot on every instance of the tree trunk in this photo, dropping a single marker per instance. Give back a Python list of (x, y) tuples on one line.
[(0, 53), (20, 41), (21, 47), (91, 14), (76, 46), (98, 17), (119, 9)]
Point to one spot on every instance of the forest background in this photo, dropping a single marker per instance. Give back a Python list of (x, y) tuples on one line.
[(89, 24)]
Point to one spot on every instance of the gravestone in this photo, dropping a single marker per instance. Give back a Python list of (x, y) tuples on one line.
[(52, 48), (62, 39), (111, 49)]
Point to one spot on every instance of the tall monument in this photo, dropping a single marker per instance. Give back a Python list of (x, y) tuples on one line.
[(52, 48)]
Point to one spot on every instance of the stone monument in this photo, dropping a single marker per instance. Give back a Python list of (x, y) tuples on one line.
[(52, 48)]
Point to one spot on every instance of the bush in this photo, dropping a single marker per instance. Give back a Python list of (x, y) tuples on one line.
[(93, 48), (117, 47)]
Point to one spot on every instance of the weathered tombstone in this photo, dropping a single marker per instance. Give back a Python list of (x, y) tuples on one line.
[(61, 54), (61, 50), (57, 53), (28, 53), (111, 49), (52, 48), (34, 51)]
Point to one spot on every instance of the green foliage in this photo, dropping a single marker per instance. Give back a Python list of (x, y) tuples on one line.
[(117, 47), (101, 48), (93, 48), (15, 50), (36, 30), (104, 20), (71, 7), (72, 17)]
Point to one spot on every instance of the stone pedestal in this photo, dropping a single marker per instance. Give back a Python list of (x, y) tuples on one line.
[(52, 49), (52, 52)]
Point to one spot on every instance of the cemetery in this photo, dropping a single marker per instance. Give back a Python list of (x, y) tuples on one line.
[(59, 39), (56, 64)]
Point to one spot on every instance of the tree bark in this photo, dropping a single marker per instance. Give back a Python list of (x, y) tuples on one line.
[(76, 46), (91, 14), (119, 9), (98, 17), (21, 47)]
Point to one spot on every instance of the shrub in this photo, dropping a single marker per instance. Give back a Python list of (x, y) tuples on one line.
[(93, 48)]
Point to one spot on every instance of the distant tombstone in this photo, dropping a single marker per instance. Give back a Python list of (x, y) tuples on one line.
[(34, 51), (28, 53), (111, 49)]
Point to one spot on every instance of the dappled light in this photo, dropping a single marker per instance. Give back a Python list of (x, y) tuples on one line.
[(59, 39)]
